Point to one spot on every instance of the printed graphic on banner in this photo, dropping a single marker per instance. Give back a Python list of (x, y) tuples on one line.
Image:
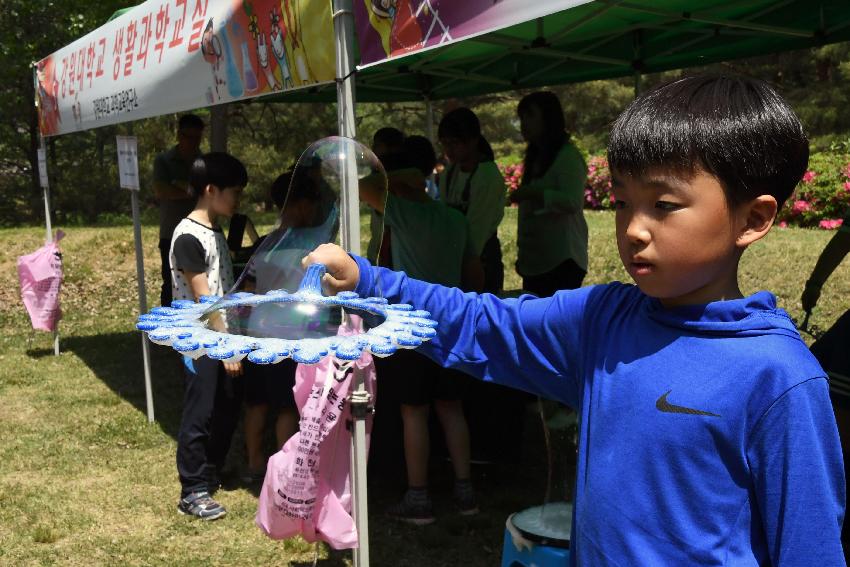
[(128, 162), (389, 28), (173, 55)]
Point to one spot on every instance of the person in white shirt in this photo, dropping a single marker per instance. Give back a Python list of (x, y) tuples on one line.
[(473, 184)]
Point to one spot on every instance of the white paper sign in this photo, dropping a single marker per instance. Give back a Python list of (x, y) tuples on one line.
[(42, 167), (128, 162)]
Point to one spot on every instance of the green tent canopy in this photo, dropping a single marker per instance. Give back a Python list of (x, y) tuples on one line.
[(599, 40)]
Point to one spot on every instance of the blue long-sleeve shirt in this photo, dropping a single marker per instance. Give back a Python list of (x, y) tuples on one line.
[(706, 433)]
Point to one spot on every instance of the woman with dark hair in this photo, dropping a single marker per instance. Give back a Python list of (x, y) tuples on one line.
[(552, 232), (473, 184)]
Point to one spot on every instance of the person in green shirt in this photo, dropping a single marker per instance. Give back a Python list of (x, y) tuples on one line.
[(171, 189), (551, 230), (430, 241)]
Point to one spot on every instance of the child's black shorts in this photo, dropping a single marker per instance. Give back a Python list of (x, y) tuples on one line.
[(269, 384), (417, 380)]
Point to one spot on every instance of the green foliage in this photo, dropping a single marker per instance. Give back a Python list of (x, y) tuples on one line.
[(29, 31)]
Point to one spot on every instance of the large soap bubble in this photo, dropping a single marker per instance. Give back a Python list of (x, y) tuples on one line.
[(310, 217), (276, 309), (311, 212)]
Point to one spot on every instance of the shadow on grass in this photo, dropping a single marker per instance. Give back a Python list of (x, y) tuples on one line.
[(116, 359), (39, 352)]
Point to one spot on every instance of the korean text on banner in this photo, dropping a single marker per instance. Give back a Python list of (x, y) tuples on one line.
[(166, 56), (392, 28)]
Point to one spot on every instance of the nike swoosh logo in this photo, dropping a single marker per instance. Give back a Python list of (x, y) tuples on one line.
[(664, 406)]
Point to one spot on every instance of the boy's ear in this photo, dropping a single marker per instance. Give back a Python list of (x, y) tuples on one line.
[(756, 218)]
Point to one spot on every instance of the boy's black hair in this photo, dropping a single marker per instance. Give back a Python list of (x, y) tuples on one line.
[(735, 128), (190, 122), (295, 184), (543, 153), (419, 153), (463, 124), (391, 137), (216, 168)]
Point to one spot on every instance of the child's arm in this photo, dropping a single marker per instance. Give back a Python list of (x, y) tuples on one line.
[(200, 286), (526, 343), (796, 467)]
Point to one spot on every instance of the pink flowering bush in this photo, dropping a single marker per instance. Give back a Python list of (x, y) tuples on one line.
[(597, 192), (512, 174), (822, 197), (830, 224)]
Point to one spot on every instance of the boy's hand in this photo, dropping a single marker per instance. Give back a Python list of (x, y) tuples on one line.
[(343, 272), (233, 369)]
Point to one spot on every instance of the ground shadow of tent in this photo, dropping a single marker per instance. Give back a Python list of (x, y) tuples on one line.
[(120, 368)]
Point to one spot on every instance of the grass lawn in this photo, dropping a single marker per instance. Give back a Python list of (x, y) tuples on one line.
[(85, 480)]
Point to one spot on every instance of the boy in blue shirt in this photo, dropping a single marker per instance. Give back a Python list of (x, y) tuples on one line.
[(706, 435)]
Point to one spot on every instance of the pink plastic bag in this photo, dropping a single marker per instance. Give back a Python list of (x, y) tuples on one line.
[(307, 486), (40, 274)]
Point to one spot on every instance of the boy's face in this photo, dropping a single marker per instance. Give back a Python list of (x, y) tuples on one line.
[(458, 150), (677, 236), (225, 201), (189, 141)]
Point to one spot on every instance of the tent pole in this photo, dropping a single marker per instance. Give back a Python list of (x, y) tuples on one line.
[(49, 228), (143, 300), (429, 118), (343, 20), (429, 128), (43, 148), (143, 304), (218, 128), (45, 188)]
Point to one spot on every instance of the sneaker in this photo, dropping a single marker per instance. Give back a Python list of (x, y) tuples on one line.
[(415, 508), (201, 505), (253, 478), (465, 500)]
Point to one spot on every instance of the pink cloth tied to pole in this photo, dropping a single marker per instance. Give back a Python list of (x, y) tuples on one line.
[(40, 274), (307, 489)]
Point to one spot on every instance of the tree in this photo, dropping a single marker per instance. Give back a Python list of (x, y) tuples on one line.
[(30, 31)]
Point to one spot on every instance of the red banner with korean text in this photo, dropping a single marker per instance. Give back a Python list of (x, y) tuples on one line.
[(173, 55)]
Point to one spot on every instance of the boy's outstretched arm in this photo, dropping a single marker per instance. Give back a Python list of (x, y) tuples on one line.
[(527, 343), (798, 476)]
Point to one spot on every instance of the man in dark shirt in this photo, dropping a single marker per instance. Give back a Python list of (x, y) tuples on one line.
[(170, 186)]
